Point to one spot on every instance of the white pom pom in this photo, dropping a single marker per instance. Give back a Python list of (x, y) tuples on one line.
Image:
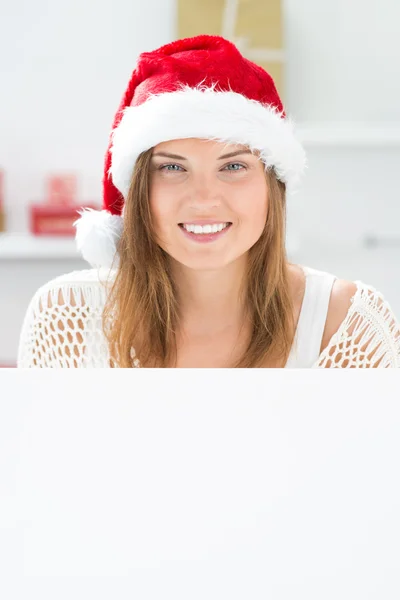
[(97, 236)]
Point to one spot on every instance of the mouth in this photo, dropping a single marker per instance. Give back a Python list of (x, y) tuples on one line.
[(209, 232)]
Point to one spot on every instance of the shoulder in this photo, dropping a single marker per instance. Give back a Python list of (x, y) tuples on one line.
[(340, 302), (341, 298), (84, 290), (64, 319), (70, 286), (84, 276), (361, 328)]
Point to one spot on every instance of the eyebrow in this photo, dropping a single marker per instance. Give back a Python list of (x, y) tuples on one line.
[(178, 157)]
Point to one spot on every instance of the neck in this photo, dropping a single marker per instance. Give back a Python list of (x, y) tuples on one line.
[(210, 301)]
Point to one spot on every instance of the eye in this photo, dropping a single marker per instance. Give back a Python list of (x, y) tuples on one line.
[(235, 167), (171, 168)]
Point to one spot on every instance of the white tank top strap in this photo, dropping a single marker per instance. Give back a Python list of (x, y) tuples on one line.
[(312, 319)]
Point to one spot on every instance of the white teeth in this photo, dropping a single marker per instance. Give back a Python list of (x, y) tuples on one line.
[(199, 229)]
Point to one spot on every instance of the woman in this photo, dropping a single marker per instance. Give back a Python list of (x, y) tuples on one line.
[(191, 268)]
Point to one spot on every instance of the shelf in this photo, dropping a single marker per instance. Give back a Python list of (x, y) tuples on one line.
[(351, 135), (24, 246)]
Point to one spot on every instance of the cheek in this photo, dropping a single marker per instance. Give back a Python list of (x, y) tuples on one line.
[(163, 212), (254, 209), (156, 209), (158, 203)]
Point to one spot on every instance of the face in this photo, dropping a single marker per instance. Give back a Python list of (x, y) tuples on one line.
[(209, 201)]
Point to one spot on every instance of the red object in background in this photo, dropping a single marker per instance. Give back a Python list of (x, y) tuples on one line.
[(57, 214), (62, 190), (54, 220)]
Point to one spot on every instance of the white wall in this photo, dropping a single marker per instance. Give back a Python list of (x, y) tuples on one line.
[(343, 60), (65, 64)]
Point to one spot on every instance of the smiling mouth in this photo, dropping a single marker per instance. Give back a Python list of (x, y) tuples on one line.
[(205, 228), (205, 233)]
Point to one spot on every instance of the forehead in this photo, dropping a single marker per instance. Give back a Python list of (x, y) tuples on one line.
[(188, 145)]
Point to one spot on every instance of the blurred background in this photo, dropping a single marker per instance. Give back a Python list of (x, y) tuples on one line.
[(64, 67)]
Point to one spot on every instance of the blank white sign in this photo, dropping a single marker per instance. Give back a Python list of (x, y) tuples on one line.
[(262, 486)]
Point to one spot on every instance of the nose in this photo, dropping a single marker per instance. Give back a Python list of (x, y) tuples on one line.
[(204, 196)]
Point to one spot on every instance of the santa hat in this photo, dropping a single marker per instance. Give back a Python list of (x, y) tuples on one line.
[(199, 87)]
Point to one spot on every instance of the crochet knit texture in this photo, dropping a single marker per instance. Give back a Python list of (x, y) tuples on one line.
[(63, 328)]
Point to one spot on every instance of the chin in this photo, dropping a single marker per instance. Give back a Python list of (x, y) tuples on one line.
[(203, 263), (205, 266)]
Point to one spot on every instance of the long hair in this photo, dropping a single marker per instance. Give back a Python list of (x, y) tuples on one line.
[(141, 316)]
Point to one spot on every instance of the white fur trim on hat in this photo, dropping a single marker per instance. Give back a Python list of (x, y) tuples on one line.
[(206, 113), (97, 236)]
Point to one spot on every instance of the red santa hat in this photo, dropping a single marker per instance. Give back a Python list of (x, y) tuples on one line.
[(199, 87)]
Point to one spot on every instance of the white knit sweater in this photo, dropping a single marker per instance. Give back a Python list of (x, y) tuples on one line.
[(63, 328)]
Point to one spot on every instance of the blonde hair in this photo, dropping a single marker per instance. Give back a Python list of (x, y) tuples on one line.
[(142, 310)]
